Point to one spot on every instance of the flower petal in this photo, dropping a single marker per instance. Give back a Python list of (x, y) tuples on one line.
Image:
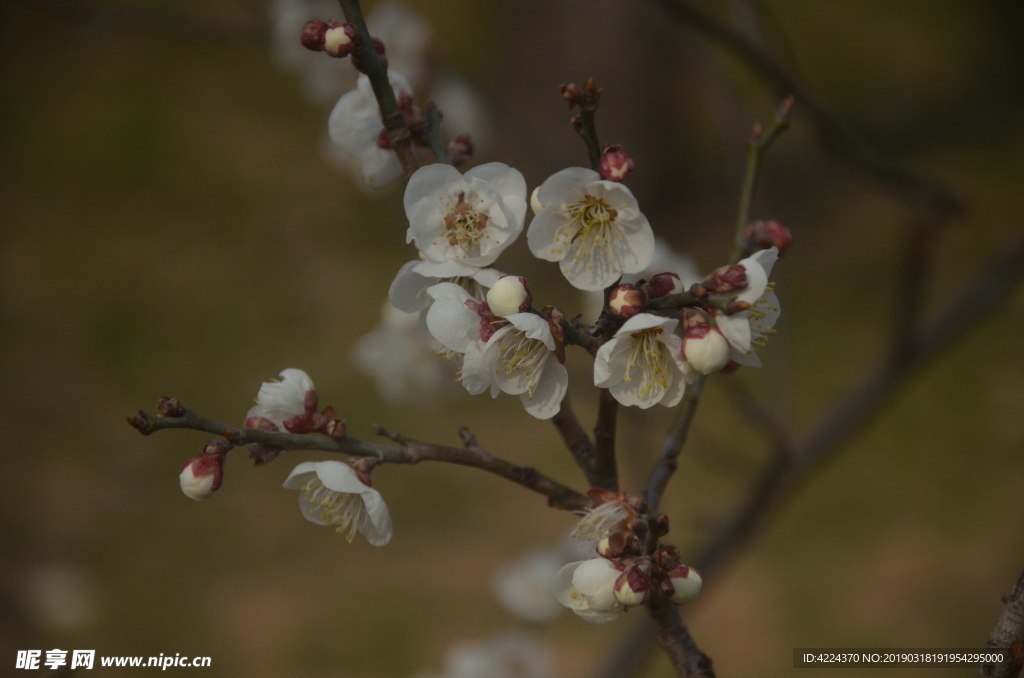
[(564, 185), (550, 390)]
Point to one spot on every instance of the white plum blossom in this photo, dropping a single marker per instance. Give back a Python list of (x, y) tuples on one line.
[(594, 228), (281, 400), (524, 586), (408, 291), (355, 125), (642, 364), (331, 493), (748, 330), (402, 359), (508, 655), (588, 588), (468, 218), (515, 354)]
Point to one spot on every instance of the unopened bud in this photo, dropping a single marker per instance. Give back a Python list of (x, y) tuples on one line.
[(510, 295), (687, 583), (704, 347), (169, 407), (727, 279), (615, 164), (626, 301), (335, 428), (313, 35), (534, 202), (378, 47), (460, 149), (761, 235), (571, 94), (201, 475), (633, 587), (340, 40), (665, 284)]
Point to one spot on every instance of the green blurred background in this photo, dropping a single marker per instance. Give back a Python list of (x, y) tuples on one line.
[(169, 226)]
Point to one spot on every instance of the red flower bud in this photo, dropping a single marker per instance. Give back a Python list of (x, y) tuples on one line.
[(615, 164)]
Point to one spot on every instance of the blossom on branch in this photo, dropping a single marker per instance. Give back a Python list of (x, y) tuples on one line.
[(355, 125), (515, 354), (748, 330), (588, 588), (593, 227), (642, 364), (332, 493), (285, 401), (467, 218)]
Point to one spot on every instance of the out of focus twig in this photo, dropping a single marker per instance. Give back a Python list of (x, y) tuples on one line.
[(1008, 636)]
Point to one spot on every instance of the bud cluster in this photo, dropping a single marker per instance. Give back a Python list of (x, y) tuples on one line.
[(335, 39), (310, 421)]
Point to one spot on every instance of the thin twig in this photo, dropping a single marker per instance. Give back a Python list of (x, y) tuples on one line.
[(836, 135), (605, 468), (576, 440), (668, 461), (391, 115), (1008, 636), (407, 451), (675, 640)]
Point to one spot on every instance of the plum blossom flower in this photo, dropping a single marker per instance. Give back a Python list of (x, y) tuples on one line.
[(402, 359), (642, 364), (468, 218), (748, 330), (408, 291), (355, 125), (524, 586), (594, 228), (588, 588), (332, 493), (280, 401), (514, 354)]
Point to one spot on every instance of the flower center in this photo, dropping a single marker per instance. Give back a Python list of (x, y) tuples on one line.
[(758, 330), (651, 358), (345, 511), (463, 224), (519, 352), (594, 223)]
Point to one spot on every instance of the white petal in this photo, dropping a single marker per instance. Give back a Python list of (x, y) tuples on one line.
[(378, 530), (735, 328), (767, 258), (563, 587), (380, 166), (604, 370), (564, 185), (757, 281), (674, 392), (338, 476), (408, 291), (300, 475), (599, 617), (595, 578), (542, 236), (534, 326), (645, 321), (429, 182), (477, 375), (509, 182), (446, 269), (354, 123), (550, 390), (453, 323), (487, 276)]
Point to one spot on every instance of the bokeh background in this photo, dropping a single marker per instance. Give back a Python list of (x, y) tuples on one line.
[(170, 225)]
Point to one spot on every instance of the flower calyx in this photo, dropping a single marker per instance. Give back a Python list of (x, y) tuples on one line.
[(726, 279), (762, 235)]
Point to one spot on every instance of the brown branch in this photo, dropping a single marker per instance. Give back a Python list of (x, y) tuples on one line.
[(668, 461), (576, 440), (392, 117), (407, 451), (605, 468), (675, 640), (1008, 636), (836, 136)]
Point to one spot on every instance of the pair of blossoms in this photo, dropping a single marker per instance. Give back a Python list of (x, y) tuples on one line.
[(594, 228)]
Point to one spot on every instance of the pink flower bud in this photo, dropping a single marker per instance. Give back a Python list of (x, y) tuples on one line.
[(633, 587), (340, 40), (201, 475), (665, 284), (686, 582), (704, 347), (614, 544), (510, 295), (626, 301), (615, 164), (313, 35), (727, 279), (378, 47), (460, 149), (761, 235)]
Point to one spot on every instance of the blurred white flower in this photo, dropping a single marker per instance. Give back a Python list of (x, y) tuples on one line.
[(594, 228), (748, 330), (464, 111), (396, 354), (468, 218), (355, 126), (524, 586), (61, 596), (332, 493), (279, 401), (323, 79), (408, 291), (642, 364), (588, 589), (509, 655), (406, 37)]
